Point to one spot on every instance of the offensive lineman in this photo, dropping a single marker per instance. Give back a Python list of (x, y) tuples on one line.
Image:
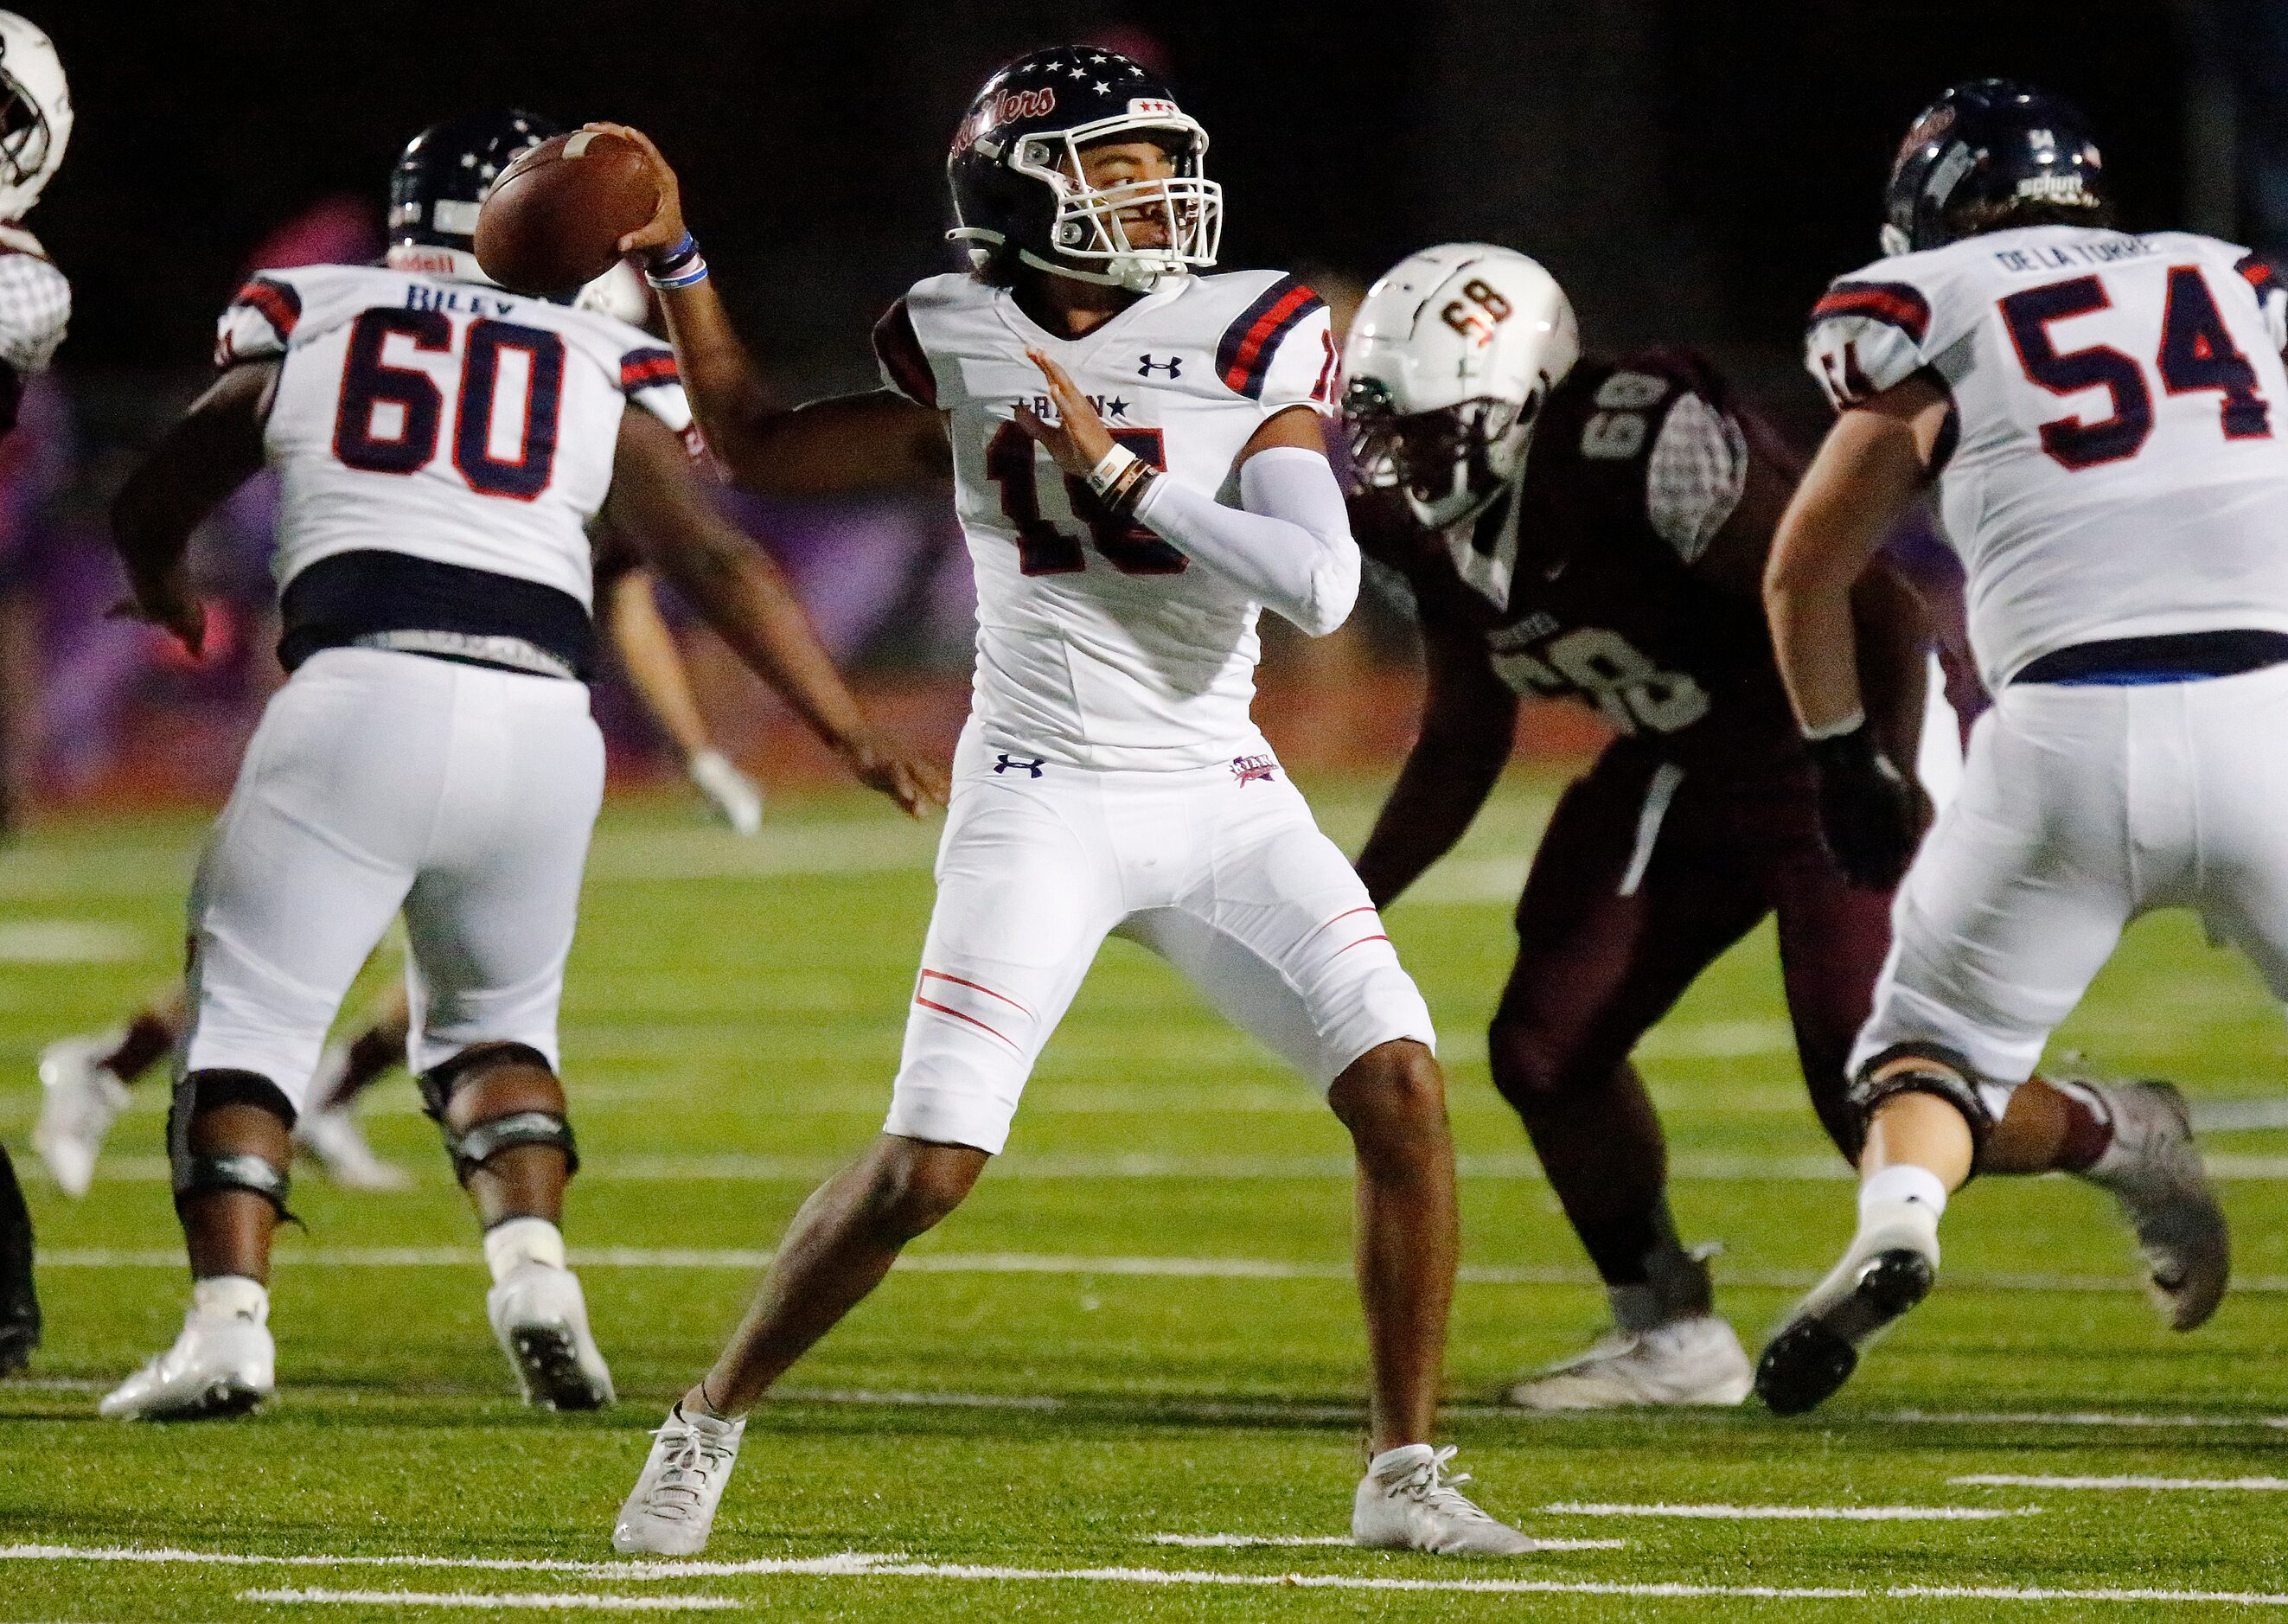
[(35, 122), (1598, 529), (442, 446), (1139, 469), (2099, 410)]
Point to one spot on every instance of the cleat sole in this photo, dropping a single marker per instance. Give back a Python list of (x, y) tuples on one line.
[(220, 1401), (548, 1362), (1808, 1360)]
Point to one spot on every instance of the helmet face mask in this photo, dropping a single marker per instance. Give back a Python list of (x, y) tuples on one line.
[(1450, 358), (36, 115), (1448, 463), (1019, 172), (1091, 228)]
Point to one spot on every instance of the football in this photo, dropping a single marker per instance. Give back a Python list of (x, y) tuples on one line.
[(554, 219)]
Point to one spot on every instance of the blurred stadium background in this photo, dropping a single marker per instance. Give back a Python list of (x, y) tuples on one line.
[(1692, 172)]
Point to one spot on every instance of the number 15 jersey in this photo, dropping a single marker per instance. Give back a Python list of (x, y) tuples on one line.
[(1099, 644), (2116, 463)]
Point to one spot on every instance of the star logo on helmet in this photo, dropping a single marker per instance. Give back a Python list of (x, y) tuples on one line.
[(1101, 86), (1099, 57), (1080, 73)]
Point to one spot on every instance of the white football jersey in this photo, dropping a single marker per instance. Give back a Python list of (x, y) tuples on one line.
[(443, 419), (1098, 643), (2118, 465)]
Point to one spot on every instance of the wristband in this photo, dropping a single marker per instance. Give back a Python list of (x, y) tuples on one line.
[(1120, 479), (677, 265)]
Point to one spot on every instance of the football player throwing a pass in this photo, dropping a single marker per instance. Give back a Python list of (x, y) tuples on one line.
[(442, 446), (1140, 470), (2100, 412), (1598, 529)]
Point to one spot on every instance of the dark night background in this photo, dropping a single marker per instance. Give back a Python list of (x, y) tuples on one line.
[(1692, 171)]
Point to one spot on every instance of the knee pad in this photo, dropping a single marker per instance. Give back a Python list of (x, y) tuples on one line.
[(472, 1147), (1929, 1068), (197, 1172)]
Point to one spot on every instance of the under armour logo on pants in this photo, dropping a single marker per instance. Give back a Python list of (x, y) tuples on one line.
[(1008, 761)]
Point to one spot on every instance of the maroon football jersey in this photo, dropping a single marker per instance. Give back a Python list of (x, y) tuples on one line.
[(1575, 591)]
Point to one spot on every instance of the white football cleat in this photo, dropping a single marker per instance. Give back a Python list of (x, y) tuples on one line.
[(332, 1134), (1693, 1361), (2153, 1171), (541, 1320), (735, 796), (672, 1507), (217, 1366), (1886, 1272), (1407, 1502), (78, 1101)]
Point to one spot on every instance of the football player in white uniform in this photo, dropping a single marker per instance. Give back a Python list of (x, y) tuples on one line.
[(1139, 469), (441, 446), (2100, 410), (36, 121)]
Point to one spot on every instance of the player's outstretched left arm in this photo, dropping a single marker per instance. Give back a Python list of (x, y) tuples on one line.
[(212, 450), (657, 503), (1869, 470), (842, 446), (1289, 547)]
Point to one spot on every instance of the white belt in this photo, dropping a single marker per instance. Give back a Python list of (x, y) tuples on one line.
[(515, 653)]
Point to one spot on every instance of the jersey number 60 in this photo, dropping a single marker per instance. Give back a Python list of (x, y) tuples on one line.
[(369, 435)]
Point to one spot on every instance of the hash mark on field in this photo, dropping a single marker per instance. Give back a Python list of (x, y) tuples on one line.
[(1840, 1514), (1251, 1541), (570, 1601), (2009, 1480)]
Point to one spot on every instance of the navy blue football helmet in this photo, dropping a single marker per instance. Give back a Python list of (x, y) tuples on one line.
[(1983, 146), (1015, 173), (444, 172)]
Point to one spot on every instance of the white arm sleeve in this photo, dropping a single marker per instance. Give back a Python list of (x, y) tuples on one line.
[(1290, 546)]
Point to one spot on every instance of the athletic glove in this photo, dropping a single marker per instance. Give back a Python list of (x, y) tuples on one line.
[(1870, 816)]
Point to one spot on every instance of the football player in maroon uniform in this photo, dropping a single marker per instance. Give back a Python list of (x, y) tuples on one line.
[(1620, 563)]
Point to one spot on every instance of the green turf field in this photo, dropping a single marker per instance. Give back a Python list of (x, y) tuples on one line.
[(1141, 1327)]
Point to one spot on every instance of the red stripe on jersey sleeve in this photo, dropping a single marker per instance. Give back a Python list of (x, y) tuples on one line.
[(1243, 357), (1892, 303), (647, 369), (274, 302)]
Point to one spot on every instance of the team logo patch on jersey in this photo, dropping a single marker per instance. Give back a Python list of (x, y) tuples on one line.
[(1253, 770)]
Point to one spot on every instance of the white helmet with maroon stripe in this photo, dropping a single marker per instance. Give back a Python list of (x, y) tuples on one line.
[(1448, 362), (36, 115)]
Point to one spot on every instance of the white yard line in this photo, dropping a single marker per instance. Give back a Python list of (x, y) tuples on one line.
[(750, 1167), (2009, 1480), (533, 1602), (2077, 1418), (1259, 1542), (855, 1565), (1837, 1513)]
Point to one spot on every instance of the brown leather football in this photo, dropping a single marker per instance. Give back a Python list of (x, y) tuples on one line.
[(554, 219)]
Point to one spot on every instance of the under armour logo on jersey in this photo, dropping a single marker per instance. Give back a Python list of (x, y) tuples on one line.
[(1173, 366), (1008, 761)]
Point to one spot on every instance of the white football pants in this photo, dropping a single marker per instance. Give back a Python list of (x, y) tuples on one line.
[(2081, 809), (1220, 870), (378, 782)]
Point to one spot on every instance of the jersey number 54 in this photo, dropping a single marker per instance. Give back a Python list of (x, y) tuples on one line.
[(2197, 352)]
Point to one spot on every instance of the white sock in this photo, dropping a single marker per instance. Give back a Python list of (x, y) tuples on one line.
[(231, 1296), (515, 1241), (1897, 1192)]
